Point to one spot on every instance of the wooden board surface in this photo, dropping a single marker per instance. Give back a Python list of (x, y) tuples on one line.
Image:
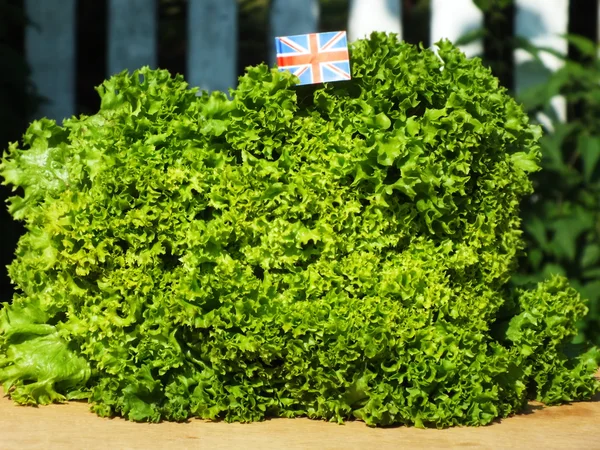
[(72, 426)]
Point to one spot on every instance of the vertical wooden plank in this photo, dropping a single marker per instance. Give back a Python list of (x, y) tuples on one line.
[(452, 20), (366, 16), (541, 22), (212, 44), (132, 27), (291, 17), (50, 50)]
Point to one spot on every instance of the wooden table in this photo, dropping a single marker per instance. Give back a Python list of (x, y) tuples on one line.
[(72, 426)]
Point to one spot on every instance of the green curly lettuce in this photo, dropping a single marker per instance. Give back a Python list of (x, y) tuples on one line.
[(335, 252)]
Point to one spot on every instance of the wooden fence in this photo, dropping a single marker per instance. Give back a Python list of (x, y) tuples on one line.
[(212, 38)]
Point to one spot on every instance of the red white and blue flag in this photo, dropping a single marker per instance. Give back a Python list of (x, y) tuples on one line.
[(316, 57)]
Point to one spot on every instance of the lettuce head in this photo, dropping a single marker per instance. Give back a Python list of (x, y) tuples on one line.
[(340, 251)]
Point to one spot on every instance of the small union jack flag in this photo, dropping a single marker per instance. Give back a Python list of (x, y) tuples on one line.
[(316, 57)]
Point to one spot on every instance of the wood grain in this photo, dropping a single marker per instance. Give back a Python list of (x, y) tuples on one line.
[(72, 426)]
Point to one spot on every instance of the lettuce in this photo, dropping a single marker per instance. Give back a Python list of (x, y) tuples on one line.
[(334, 252)]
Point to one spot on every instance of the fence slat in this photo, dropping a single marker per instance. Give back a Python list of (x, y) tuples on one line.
[(212, 44), (366, 16), (50, 50), (132, 27), (541, 22), (452, 20), (291, 17)]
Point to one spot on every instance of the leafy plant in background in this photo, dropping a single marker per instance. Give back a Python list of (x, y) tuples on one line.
[(562, 219), (347, 256)]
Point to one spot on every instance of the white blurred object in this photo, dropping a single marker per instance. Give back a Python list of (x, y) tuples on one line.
[(452, 19), (366, 16), (541, 22)]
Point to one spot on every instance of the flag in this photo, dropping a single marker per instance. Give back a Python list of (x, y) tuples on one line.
[(316, 57)]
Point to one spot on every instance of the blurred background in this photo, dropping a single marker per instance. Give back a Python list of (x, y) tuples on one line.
[(54, 52)]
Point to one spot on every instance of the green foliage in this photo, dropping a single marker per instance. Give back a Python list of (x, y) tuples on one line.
[(491, 5), (562, 220), (333, 252)]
